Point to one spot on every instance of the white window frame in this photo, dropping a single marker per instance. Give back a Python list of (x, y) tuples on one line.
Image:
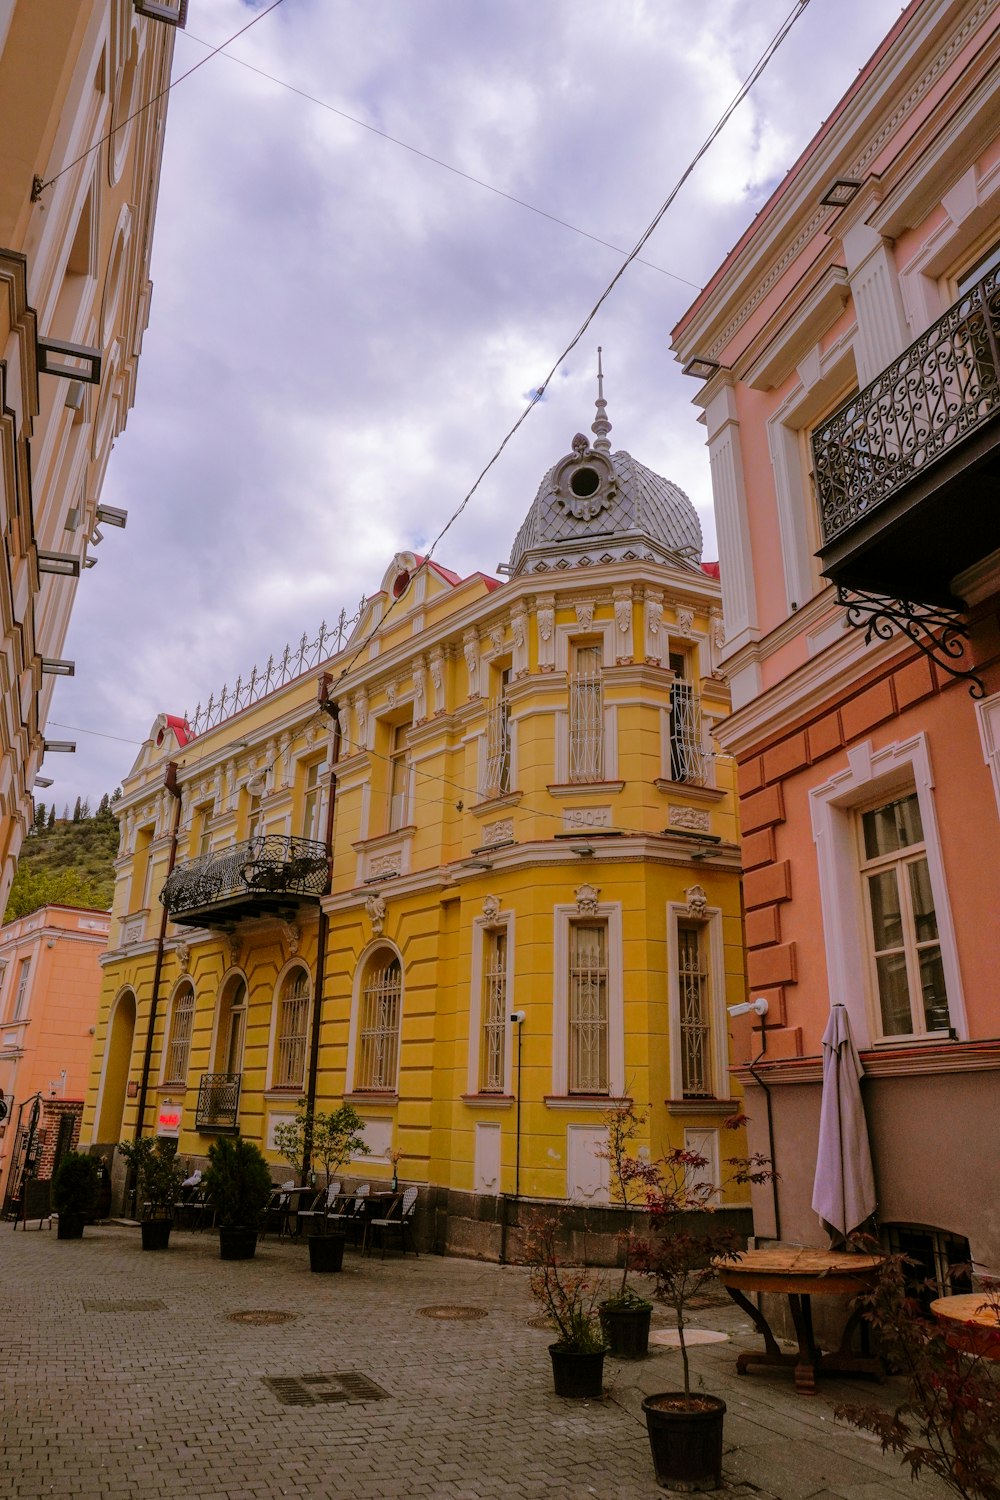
[(173, 1076), (312, 825), (563, 917), (19, 1007), (481, 928), (294, 965), (901, 766), (374, 950), (715, 955)]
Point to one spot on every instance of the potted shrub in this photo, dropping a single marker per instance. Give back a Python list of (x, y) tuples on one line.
[(157, 1174), (625, 1315), (238, 1183), (685, 1427), (568, 1297), (331, 1140), (74, 1193)]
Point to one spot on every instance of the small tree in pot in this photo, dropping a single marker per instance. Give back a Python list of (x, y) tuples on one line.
[(238, 1183), (568, 1297), (685, 1427), (74, 1193), (625, 1315), (153, 1159), (331, 1140)]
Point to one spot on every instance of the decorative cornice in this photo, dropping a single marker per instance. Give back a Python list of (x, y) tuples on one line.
[(914, 1060)]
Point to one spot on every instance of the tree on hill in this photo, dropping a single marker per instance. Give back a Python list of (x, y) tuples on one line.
[(52, 817), (66, 863)]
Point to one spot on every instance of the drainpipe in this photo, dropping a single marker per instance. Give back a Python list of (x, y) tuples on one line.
[(327, 706), (170, 782), (770, 1123), (517, 1017)]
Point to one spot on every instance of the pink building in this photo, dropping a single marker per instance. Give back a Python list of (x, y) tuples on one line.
[(849, 349), (50, 982)]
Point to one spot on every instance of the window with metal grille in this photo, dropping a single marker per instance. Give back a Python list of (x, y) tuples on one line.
[(588, 1008), (692, 985), (586, 715), (378, 1023), (905, 946), (293, 1025), (399, 779), (687, 754), (496, 770), (494, 1012), (181, 1026)]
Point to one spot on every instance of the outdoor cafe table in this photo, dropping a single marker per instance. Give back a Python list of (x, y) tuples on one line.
[(292, 1197), (971, 1322), (801, 1275)]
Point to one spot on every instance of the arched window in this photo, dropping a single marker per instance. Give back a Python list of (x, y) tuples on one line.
[(181, 1025), (378, 1022), (292, 1033)]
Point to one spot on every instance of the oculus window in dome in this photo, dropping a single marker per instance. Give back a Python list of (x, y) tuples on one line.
[(595, 506)]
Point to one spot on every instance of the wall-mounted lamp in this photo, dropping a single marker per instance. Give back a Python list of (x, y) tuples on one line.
[(54, 666), (477, 864), (706, 853), (583, 849), (72, 518), (840, 192), (110, 515), (758, 1006), (96, 536), (67, 747), (90, 562), (74, 395), (700, 368), (63, 563)]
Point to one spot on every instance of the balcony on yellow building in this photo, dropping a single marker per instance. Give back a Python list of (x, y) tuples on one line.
[(906, 470), (265, 875), (218, 1105)]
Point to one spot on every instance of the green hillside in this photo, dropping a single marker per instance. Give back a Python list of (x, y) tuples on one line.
[(66, 862)]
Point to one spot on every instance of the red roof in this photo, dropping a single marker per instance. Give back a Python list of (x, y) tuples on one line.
[(712, 569), (180, 727)]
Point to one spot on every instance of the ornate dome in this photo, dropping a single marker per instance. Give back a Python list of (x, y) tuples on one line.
[(595, 506)]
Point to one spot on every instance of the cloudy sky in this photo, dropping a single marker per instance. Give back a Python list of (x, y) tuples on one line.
[(343, 330)]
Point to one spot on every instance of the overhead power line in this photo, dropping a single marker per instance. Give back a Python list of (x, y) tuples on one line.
[(741, 93), (38, 188), (436, 160)]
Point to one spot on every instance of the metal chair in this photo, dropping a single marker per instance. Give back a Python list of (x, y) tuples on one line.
[(400, 1216), (276, 1213), (320, 1208), (352, 1215)]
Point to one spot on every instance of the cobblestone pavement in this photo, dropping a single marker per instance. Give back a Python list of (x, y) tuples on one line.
[(125, 1375)]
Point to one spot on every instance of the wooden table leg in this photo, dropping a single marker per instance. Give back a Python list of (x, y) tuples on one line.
[(808, 1357)]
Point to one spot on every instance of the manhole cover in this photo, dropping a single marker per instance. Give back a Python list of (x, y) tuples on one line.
[(260, 1315), (319, 1390), (457, 1314), (671, 1338), (544, 1323), (153, 1305)]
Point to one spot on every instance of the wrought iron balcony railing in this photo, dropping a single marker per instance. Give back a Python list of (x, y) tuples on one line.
[(940, 391), (218, 1102), (269, 872)]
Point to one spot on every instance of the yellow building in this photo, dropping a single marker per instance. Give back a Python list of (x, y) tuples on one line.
[(79, 175), (530, 821)]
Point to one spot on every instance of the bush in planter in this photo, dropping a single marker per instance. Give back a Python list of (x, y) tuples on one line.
[(238, 1183), (625, 1315), (685, 1429), (568, 1297), (158, 1178), (330, 1139), (74, 1192)]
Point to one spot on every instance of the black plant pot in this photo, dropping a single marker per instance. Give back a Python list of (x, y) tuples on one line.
[(326, 1252), (70, 1227), (237, 1243), (685, 1435), (626, 1330), (156, 1233), (577, 1375)]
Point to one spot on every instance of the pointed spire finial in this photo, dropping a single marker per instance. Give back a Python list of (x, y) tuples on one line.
[(601, 425)]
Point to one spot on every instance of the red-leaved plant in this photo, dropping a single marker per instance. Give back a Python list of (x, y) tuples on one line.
[(567, 1296)]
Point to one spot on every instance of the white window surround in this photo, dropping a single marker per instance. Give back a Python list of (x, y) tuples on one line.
[(379, 945), (183, 989), (823, 378), (869, 774), (988, 716), (570, 635), (480, 927), (482, 756), (226, 986), (610, 748), (928, 279), (563, 916), (272, 1043), (718, 1017)]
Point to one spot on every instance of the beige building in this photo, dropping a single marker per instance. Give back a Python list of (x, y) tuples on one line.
[(79, 172)]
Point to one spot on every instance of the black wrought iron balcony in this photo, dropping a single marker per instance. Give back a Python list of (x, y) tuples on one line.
[(218, 1103), (268, 874), (906, 470)]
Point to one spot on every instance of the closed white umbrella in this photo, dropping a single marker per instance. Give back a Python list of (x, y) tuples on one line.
[(844, 1188)]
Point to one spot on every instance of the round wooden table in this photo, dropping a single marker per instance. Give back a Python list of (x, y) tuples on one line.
[(801, 1274), (971, 1322)]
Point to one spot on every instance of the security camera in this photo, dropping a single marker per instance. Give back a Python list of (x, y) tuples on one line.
[(758, 1006), (518, 1016)]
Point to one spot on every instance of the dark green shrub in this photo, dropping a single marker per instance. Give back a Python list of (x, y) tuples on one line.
[(238, 1182), (74, 1186)]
